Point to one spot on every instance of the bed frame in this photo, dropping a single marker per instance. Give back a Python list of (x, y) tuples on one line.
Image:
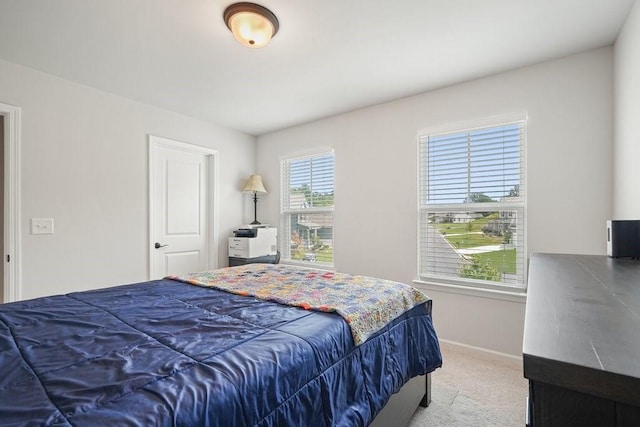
[(402, 405)]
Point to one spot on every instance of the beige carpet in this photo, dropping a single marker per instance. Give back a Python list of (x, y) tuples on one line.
[(475, 388)]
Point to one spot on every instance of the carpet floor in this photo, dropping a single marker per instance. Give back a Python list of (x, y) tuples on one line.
[(475, 388)]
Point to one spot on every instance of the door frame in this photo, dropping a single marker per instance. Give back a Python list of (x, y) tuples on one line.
[(12, 255), (212, 163)]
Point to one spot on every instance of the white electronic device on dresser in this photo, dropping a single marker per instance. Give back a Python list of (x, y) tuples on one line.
[(253, 241)]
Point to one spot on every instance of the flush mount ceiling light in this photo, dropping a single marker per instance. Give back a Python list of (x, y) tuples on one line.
[(251, 24)]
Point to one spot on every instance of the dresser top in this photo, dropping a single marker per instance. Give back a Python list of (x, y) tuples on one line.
[(582, 324)]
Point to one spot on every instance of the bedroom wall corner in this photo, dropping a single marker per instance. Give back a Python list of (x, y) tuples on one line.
[(627, 126)]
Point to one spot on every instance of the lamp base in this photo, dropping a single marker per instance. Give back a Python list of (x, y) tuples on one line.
[(256, 222)]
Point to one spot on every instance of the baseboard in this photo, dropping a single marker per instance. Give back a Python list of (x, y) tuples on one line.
[(481, 349)]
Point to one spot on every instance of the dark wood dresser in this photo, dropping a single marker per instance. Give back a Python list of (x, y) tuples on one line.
[(581, 351)]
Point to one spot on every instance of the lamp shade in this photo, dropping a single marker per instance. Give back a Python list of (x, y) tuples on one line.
[(251, 24), (254, 185)]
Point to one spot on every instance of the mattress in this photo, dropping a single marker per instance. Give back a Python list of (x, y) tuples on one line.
[(169, 353)]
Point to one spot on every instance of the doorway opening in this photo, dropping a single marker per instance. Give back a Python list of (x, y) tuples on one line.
[(2, 202), (11, 255)]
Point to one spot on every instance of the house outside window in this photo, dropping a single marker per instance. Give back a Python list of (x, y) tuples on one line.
[(472, 208), (306, 215)]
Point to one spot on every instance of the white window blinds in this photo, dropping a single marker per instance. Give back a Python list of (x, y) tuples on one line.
[(307, 208), (472, 205)]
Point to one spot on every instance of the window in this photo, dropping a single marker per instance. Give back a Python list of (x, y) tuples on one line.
[(306, 216), (472, 206)]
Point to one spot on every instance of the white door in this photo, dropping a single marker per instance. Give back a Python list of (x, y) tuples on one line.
[(180, 208)]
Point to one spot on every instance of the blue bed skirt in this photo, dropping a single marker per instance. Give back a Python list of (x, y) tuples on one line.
[(166, 353)]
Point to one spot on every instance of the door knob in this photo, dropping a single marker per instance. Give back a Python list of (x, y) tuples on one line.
[(158, 245)]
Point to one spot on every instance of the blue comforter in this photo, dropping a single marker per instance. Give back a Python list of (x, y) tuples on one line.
[(167, 353)]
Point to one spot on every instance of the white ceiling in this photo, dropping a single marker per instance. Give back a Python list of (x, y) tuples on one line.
[(329, 57)]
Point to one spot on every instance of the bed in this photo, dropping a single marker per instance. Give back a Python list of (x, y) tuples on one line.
[(213, 350)]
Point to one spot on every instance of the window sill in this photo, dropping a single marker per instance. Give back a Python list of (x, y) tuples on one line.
[(517, 295), (310, 265)]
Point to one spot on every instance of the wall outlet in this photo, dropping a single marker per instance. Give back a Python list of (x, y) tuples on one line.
[(41, 225)]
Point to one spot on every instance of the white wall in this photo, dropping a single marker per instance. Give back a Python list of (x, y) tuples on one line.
[(85, 164), (569, 166), (627, 119)]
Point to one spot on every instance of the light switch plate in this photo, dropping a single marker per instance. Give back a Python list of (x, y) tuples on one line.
[(41, 225)]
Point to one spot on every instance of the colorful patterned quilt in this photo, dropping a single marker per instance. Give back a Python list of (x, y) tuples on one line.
[(367, 304)]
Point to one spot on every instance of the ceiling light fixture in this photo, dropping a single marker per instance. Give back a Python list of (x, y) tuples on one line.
[(251, 24)]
